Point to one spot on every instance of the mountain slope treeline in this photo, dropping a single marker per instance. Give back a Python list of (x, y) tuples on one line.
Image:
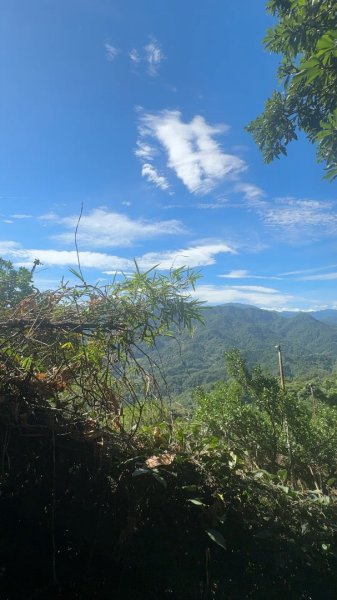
[(309, 343)]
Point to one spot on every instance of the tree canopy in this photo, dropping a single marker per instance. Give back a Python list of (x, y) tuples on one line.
[(305, 35), (15, 284)]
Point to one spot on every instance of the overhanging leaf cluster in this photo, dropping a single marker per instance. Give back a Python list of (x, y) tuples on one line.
[(305, 35)]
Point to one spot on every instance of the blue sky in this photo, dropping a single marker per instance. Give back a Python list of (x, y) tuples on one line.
[(137, 111)]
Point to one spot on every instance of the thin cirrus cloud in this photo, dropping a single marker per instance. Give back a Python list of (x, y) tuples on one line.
[(314, 216), (193, 256), (215, 204), (63, 258), (151, 55), (102, 228), (308, 271), (238, 274), (21, 216), (191, 151), (145, 151), (111, 52), (153, 176), (250, 191), (154, 56), (299, 218), (295, 216), (134, 56), (319, 277), (261, 296), (244, 274), (199, 255)]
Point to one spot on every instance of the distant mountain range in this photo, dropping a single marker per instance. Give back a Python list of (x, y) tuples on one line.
[(308, 341)]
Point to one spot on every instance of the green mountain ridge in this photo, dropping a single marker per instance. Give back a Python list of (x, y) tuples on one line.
[(309, 344)]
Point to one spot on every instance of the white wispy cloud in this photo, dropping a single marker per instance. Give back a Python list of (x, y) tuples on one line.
[(250, 191), (200, 255), (291, 213), (151, 174), (296, 217), (191, 150), (260, 296), (151, 56), (154, 56), (102, 228), (6, 247), (145, 151), (63, 258), (111, 51), (50, 216), (308, 271), (319, 277), (21, 216), (239, 274), (134, 56), (193, 256), (244, 274), (216, 204)]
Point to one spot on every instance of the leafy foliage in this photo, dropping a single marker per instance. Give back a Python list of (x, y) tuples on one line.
[(279, 432), (79, 347), (93, 515), (98, 480), (15, 284), (305, 35)]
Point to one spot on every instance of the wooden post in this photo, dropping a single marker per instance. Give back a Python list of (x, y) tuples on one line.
[(280, 363), (286, 426)]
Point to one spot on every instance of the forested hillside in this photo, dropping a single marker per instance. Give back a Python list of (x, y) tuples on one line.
[(309, 343)]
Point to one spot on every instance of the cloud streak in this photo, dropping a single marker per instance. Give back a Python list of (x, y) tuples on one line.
[(111, 52), (260, 296), (102, 228), (21, 216), (243, 274), (319, 277), (250, 191), (194, 256), (308, 271), (191, 151), (199, 255), (151, 174), (151, 55), (134, 56), (295, 216), (154, 56), (292, 213), (145, 151)]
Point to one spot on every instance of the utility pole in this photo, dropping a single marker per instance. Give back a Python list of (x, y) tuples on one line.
[(280, 364), (285, 423), (313, 402)]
